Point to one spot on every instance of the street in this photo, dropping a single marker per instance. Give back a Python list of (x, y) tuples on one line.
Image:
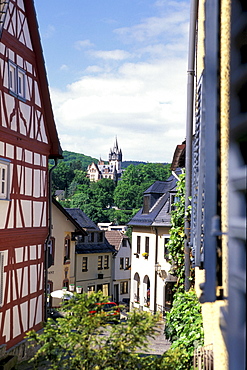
[(156, 346)]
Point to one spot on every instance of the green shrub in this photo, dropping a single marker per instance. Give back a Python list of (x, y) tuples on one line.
[(184, 326), (175, 359)]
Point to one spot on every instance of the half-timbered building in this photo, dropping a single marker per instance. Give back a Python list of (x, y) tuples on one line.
[(28, 138)]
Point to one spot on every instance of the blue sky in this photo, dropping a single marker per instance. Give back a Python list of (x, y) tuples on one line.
[(117, 68)]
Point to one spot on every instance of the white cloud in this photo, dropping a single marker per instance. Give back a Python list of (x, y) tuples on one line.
[(64, 67), (110, 54), (143, 102), (50, 30), (82, 44), (169, 26)]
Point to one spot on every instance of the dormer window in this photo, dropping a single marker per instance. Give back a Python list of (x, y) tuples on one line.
[(146, 203), (173, 200)]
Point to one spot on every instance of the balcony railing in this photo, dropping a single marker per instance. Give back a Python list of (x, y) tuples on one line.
[(204, 358)]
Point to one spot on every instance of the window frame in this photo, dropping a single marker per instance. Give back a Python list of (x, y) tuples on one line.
[(84, 264), (166, 249), (100, 262), (147, 244), (4, 165), (66, 249), (106, 262), (138, 244), (17, 74), (124, 287)]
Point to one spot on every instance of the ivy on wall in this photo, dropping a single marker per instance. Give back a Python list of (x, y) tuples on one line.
[(177, 236), (184, 324)]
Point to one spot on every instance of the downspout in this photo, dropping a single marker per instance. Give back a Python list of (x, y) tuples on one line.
[(155, 271), (48, 236), (189, 133)]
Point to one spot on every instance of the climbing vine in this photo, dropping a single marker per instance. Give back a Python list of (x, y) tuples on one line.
[(184, 325), (177, 235)]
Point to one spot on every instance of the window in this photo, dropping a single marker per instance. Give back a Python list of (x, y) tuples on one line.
[(84, 264), (66, 283), (106, 262), (147, 244), (100, 237), (121, 263), (17, 80), (138, 247), (173, 201), (51, 251), (166, 249), (1, 279), (124, 242), (66, 249), (124, 287), (127, 262), (3, 10), (100, 262), (4, 177)]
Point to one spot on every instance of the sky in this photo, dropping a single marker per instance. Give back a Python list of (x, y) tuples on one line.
[(117, 69)]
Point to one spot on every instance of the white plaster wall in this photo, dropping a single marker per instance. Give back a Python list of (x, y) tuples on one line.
[(146, 267)]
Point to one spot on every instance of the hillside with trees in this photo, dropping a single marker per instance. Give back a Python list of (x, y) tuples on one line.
[(103, 201)]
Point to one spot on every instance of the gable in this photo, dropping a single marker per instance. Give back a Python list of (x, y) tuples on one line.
[(24, 94)]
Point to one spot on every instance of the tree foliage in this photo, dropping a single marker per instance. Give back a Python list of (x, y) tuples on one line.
[(103, 201), (135, 180), (86, 341)]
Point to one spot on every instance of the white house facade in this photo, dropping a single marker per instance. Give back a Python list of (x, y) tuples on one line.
[(121, 268), (151, 283)]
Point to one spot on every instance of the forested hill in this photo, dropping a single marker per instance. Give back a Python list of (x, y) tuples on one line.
[(105, 201), (86, 160)]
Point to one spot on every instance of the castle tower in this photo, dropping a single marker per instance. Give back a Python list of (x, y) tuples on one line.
[(115, 157)]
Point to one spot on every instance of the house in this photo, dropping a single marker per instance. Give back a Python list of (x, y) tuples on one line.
[(151, 282), (112, 170), (59, 195), (28, 139), (121, 265), (108, 226), (217, 170), (65, 230), (82, 255)]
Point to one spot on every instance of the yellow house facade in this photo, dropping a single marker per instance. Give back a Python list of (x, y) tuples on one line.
[(218, 225)]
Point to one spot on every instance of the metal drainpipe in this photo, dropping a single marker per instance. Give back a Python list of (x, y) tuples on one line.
[(48, 236), (189, 132), (155, 272)]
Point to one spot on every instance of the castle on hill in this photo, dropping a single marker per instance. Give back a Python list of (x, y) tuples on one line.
[(112, 170)]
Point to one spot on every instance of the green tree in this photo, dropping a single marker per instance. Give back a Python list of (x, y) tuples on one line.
[(62, 176), (135, 180), (76, 341)]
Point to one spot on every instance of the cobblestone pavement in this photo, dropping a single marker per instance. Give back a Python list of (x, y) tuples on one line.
[(157, 346)]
